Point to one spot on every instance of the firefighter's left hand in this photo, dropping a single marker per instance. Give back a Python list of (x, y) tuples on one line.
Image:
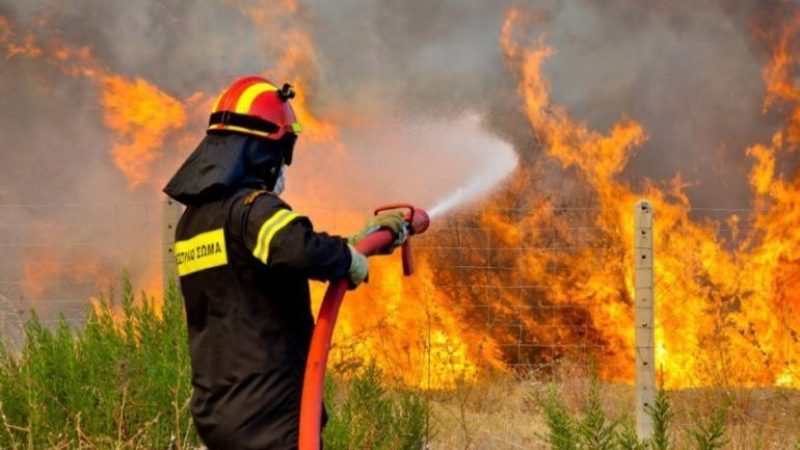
[(392, 220), (359, 268)]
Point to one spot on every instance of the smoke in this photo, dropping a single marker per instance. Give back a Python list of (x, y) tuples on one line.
[(689, 72), (397, 78)]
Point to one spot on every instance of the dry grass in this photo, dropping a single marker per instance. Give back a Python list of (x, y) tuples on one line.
[(499, 414), (757, 418), (504, 413)]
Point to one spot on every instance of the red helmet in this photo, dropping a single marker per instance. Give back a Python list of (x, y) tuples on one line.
[(255, 106)]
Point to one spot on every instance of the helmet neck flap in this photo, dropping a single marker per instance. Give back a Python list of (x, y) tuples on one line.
[(224, 163)]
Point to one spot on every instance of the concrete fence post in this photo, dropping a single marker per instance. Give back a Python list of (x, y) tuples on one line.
[(170, 214), (645, 318)]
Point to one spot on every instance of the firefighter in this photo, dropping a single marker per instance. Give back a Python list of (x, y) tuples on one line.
[(244, 261)]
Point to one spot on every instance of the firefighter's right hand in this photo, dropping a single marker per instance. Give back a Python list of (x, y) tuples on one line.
[(393, 220), (359, 268)]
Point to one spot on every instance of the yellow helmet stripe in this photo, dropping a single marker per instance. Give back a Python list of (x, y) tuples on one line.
[(249, 95)]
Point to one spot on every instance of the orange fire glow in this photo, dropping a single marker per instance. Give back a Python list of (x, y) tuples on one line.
[(739, 298), (723, 316), (15, 45), (137, 113), (48, 275), (408, 326), (140, 115)]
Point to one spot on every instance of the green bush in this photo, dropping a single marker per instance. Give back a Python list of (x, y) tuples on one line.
[(710, 434), (591, 429), (560, 423), (123, 381), (662, 415), (368, 417)]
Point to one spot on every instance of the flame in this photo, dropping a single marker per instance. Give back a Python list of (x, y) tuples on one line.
[(17, 47), (137, 113), (50, 273), (727, 308), (409, 327), (723, 316), (140, 115), (780, 75)]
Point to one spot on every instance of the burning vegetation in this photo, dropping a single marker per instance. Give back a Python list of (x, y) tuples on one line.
[(727, 304)]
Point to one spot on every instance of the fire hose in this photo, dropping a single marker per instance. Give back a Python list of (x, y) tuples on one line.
[(417, 221)]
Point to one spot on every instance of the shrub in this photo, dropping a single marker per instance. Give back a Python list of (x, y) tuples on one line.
[(710, 434), (122, 382), (591, 429), (662, 416), (367, 416)]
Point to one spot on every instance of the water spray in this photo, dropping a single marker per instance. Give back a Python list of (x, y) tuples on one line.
[(502, 162), (478, 185), (465, 193), (417, 221)]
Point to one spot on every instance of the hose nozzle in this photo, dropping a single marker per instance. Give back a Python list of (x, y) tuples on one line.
[(417, 218), (418, 221)]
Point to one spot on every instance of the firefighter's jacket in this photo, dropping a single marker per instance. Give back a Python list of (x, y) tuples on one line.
[(244, 263)]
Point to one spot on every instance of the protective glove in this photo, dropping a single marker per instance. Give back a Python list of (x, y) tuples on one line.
[(393, 220), (359, 268)]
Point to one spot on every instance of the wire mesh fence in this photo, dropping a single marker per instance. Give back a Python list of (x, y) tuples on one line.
[(517, 289), (502, 284), (56, 258), (550, 288)]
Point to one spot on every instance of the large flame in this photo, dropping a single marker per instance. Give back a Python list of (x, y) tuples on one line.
[(140, 115), (727, 308), (408, 326), (137, 113), (726, 312)]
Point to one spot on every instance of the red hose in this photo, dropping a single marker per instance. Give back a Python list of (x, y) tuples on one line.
[(314, 381)]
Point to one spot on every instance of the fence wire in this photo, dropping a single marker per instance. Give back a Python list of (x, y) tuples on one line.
[(55, 258), (549, 287), (527, 291)]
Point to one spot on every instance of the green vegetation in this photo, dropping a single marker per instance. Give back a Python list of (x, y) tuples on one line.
[(122, 381), (710, 435), (592, 429), (662, 415), (368, 417)]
